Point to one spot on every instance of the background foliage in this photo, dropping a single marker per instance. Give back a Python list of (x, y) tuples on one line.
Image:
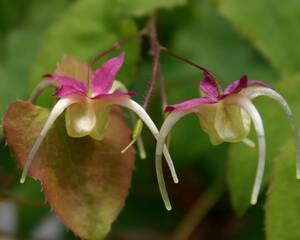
[(230, 37)]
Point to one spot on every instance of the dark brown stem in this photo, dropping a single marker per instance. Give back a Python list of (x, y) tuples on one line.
[(119, 44), (155, 52), (182, 59)]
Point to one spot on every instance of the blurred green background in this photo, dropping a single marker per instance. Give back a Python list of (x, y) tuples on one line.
[(230, 37)]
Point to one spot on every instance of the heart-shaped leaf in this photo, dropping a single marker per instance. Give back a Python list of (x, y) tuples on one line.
[(85, 181)]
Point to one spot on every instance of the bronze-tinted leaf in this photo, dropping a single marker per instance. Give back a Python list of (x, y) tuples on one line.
[(85, 181)]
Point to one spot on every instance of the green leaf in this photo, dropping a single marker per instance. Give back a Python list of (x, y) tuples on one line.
[(15, 69), (36, 17), (207, 39), (85, 181), (83, 31), (282, 208), (146, 7), (11, 14), (243, 160), (20, 47), (271, 26)]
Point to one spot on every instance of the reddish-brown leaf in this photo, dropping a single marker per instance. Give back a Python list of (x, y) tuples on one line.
[(85, 181)]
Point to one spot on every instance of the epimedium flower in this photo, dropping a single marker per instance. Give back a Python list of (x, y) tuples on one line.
[(226, 117), (87, 98)]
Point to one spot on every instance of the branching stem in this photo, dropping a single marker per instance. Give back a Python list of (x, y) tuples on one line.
[(119, 44), (155, 49), (155, 52), (182, 59)]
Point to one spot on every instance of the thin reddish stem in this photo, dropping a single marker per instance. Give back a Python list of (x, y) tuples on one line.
[(119, 44), (182, 59), (156, 48), (155, 52)]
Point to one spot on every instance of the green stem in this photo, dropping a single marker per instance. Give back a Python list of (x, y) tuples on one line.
[(196, 214)]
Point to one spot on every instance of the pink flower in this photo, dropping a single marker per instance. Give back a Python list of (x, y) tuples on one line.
[(226, 117), (87, 99)]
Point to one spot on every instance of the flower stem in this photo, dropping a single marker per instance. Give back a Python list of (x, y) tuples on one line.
[(197, 212), (119, 44), (182, 59), (155, 52)]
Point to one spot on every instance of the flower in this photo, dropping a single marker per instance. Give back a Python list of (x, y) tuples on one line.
[(226, 117), (87, 97)]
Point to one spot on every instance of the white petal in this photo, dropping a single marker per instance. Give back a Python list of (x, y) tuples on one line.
[(231, 122), (140, 111), (169, 122), (249, 142), (118, 86), (248, 106), (57, 110), (46, 83), (254, 92), (81, 119)]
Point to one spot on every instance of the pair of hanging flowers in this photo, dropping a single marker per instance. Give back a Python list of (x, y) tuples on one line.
[(225, 116)]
